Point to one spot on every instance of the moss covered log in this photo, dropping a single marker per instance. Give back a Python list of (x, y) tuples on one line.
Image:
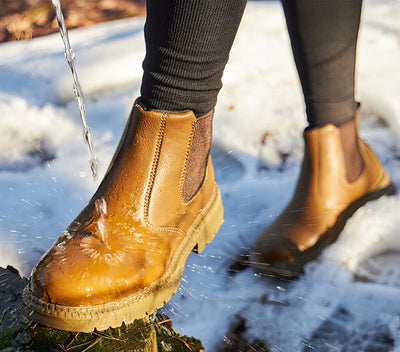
[(19, 334)]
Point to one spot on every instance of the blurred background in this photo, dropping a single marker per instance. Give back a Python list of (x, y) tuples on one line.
[(26, 19)]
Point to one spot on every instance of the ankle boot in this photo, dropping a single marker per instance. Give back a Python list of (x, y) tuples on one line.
[(123, 256), (323, 201)]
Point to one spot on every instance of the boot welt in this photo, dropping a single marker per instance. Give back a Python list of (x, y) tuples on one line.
[(294, 269), (141, 303)]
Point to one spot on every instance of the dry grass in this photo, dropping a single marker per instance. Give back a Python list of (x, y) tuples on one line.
[(26, 19)]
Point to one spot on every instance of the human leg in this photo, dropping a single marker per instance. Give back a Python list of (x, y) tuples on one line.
[(339, 172), (124, 254), (324, 35), (324, 43), (187, 47)]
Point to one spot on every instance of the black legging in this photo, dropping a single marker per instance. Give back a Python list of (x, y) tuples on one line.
[(188, 44)]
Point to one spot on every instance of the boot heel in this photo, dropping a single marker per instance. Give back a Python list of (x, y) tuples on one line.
[(210, 222), (389, 190), (384, 186)]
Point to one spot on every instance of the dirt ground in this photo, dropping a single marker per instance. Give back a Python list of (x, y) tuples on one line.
[(26, 19)]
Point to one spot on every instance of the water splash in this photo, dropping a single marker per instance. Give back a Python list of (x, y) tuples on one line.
[(102, 226), (70, 56)]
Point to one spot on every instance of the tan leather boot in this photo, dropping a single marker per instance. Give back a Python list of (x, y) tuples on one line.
[(321, 205), (123, 256)]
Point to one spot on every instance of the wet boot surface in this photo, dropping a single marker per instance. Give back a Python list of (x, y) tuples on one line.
[(19, 334)]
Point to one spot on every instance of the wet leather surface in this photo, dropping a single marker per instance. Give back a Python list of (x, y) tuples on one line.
[(129, 232), (322, 193)]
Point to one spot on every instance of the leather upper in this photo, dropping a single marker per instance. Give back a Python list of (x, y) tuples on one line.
[(322, 193), (125, 238)]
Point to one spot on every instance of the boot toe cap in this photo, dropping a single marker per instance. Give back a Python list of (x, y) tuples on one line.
[(76, 275), (274, 253)]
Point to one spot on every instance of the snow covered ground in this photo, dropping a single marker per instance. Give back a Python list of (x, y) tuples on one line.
[(348, 300)]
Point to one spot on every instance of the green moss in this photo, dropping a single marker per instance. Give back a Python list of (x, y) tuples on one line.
[(136, 336), (156, 336), (169, 340), (9, 336), (5, 341)]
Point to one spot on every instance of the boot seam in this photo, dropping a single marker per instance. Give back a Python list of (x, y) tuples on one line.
[(317, 165), (368, 150), (184, 170), (156, 158)]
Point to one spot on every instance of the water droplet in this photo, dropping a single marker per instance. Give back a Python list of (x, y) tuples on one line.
[(102, 225)]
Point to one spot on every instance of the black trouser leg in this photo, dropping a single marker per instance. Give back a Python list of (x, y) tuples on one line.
[(187, 47), (323, 34)]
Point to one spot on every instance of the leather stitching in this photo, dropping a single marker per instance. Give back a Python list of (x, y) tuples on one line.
[(184, 171), (156, 158)]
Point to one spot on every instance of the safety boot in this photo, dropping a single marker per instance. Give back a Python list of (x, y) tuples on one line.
[(323, 201), (123, 256)]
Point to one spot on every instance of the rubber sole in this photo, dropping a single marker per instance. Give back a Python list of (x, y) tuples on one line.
[(295, 269), (139, 304)]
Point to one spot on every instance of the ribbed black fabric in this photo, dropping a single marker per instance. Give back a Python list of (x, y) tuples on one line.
[(188, 44), (187, 47), (324, 39)]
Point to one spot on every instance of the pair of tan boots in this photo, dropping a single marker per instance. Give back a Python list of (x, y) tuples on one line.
[(123, 256)]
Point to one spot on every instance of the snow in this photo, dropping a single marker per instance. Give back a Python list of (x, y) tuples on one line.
[(348, 298)]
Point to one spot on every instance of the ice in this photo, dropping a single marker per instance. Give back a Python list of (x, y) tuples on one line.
[(348, 298)]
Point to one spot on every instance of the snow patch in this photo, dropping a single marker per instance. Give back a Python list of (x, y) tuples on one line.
[(257, 153)]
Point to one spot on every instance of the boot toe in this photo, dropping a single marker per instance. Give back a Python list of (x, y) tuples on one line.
[(273, 253), (83, 271)]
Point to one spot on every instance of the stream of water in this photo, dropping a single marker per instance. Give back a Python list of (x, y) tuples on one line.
[(70, 56)]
